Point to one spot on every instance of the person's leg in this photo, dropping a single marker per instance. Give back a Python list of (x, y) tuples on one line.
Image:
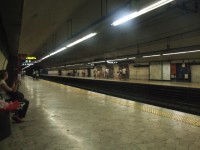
[(22, 112)]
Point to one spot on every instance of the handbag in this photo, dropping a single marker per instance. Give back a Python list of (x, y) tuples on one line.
[(7, 106)]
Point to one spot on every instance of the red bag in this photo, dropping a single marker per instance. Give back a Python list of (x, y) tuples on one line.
[(7, 106)]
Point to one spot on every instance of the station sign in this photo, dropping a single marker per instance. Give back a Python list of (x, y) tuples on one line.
[(31, 58)]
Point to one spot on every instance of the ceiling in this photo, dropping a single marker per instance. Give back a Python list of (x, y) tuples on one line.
[(41, 18), (27, 32), (148, 32)]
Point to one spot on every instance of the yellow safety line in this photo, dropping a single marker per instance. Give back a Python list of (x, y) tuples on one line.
[(190, 119)]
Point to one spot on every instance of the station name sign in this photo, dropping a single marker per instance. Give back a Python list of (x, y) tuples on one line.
[(31, 58)]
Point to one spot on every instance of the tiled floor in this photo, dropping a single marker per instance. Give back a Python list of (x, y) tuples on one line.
[(66, 118)]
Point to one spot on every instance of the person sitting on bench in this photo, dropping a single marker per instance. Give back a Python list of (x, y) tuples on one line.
[(10, 94)]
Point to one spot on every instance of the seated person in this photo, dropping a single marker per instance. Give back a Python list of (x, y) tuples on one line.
[(8, 92)]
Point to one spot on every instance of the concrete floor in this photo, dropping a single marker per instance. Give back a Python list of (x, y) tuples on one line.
[(66, 118)]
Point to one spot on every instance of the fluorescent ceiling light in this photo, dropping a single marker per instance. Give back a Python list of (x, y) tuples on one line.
[(70, 45), (78, 64), (111, 62), (194, 51), (120, 59), (132, 58), (57, 51), (82, 39), (27, 66), (69, 65), (97, 62), (151, 56), (45, 57), (114, 61), (141, 12)]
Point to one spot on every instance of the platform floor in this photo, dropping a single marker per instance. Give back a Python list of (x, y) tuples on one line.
[(66, 118), (154, 82)]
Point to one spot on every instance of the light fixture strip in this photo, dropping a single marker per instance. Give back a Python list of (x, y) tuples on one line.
[(57, 51), (141, 12), (177, 53), (27, 66), (120, 59), (97, 62), (151, 56), (81, 39), (132, 58), (69, 45), (111, 62)]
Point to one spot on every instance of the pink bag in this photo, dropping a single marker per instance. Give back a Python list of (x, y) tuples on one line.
[(7, 106)]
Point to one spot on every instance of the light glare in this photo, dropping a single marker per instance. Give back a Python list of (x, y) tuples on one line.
[(141, 12)]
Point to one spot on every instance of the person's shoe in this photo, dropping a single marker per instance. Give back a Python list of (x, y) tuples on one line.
[(16, 119)]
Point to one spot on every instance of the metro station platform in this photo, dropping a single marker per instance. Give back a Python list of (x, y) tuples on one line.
[(61, 117), (181, 96)]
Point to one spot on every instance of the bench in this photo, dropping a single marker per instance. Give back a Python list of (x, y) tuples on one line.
[(5, 125)]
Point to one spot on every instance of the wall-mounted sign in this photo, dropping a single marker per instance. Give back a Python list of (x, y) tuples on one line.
[(31, 58)]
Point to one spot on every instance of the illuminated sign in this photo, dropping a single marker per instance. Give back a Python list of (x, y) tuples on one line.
[(31, 58)]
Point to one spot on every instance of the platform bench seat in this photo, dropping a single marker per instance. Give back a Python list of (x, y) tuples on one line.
[(5, 125)]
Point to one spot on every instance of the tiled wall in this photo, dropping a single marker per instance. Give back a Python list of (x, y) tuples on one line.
[(195, 70), (139, 73), (156, 71), (166, 71), (160, 71), (53, 72)]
